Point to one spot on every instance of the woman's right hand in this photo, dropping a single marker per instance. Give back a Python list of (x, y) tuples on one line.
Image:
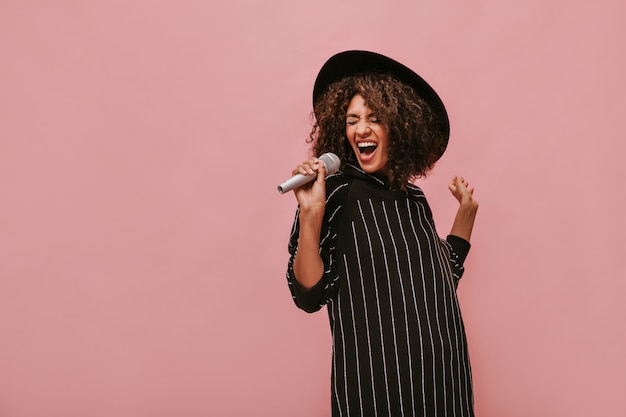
[(311, 196)]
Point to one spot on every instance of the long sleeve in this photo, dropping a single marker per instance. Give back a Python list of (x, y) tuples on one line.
[(313, 299), (459, 248)]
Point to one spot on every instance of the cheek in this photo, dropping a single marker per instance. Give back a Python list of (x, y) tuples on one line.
[(350, 135)]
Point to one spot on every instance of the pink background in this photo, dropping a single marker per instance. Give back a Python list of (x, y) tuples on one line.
[(143, 243)]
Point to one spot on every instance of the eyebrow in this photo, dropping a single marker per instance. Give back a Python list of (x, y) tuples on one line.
[(349, 115)]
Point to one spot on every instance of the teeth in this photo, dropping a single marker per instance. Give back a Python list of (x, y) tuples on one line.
[(367, 147), (365, 144)]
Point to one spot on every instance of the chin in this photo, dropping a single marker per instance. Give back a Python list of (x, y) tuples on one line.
[(378, 170)]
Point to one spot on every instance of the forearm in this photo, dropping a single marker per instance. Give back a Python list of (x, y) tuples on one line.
[(464, 220), (308, 267)]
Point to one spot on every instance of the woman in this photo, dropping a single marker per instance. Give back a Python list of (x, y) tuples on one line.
[(364, 243)]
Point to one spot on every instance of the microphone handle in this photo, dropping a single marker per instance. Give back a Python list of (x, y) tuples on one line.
[(296, 181), (331, 162)]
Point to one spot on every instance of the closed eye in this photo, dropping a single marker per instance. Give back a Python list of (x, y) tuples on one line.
[(351, 121)]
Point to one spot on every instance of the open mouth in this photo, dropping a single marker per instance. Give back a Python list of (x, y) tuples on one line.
[(366, 148)]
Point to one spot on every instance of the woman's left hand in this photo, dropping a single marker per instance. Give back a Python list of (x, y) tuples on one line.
[(466, 214), (461, 190)]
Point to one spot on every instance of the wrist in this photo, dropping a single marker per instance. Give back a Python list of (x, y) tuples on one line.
[(312, 211), (468, 205)]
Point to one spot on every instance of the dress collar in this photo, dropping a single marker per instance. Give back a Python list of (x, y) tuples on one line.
[(355, 171)]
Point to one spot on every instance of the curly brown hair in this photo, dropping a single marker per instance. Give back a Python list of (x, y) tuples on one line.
[(415, 136)]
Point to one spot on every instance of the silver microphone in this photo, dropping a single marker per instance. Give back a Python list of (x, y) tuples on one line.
[(332, 163)]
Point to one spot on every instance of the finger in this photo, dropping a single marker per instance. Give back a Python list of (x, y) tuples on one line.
[(321, 169), (306, 168), (301, 169), (313, 165)]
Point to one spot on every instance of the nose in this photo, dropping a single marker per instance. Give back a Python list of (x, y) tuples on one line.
[(363, 128)]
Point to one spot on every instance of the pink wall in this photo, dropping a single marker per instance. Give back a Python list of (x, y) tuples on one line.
[(143, 243)]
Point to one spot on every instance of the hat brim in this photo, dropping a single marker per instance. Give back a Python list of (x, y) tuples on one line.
[(349, 63)]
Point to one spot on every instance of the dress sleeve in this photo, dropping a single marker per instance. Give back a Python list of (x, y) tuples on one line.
[(459, 248), (313, 299)]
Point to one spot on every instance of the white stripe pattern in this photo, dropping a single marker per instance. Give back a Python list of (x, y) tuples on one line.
[(399, 346)]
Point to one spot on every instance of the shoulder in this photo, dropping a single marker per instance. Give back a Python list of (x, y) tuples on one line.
[(337, 186), (417, 196), (414, 191)]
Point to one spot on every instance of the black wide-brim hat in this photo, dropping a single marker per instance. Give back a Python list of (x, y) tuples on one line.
[(349, 63)]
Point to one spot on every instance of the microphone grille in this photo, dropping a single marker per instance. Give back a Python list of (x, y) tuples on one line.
[(331, 161)]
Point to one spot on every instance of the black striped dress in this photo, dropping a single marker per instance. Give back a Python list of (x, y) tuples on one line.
[(399, 346)]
